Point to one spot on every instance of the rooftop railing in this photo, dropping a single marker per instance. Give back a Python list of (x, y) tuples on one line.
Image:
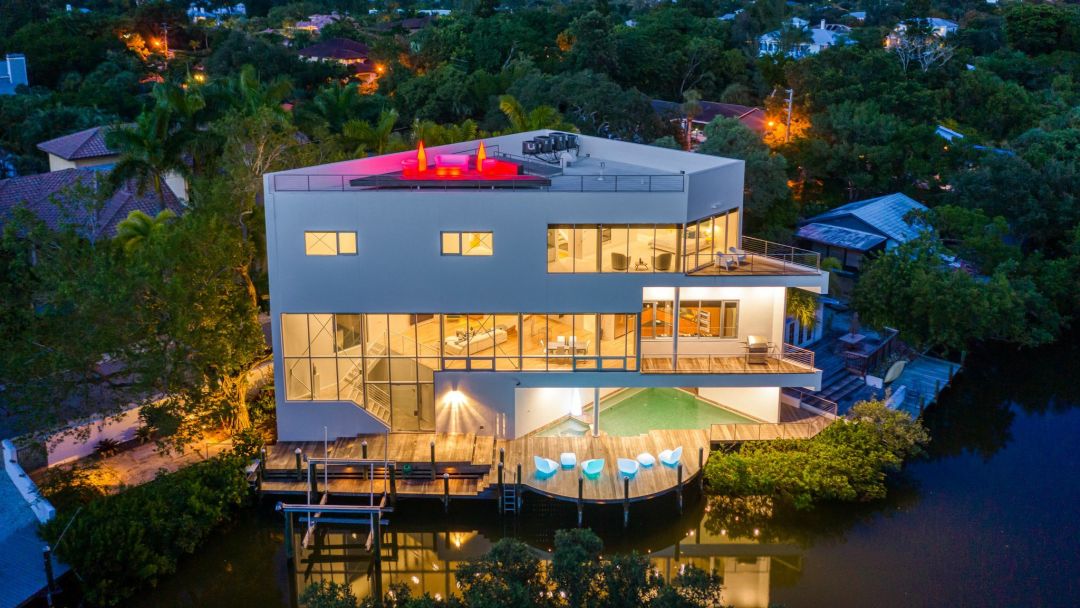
[(559, 183)]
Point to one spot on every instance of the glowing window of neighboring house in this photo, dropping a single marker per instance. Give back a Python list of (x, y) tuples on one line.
[(467, 243), (330, 243)]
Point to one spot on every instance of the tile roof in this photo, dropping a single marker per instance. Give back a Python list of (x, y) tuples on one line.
[(41, 194), (337, 48), (89, 143), (839, 236), (884, 213), (750, 116)]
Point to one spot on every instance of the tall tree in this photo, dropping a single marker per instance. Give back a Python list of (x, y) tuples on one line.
[(149, 151)]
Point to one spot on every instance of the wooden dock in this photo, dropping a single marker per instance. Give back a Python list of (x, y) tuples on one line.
[(471, 465), (795, 423)]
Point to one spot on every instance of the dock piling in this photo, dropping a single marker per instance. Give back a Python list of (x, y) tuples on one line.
[(312, 480), (363, 449), (678, 488), (626, 502), (701, 467), (580, 503), (298, 453), (432, 446), (50, 581), (446, 492), (393, 485), (502, 455), (502, 489)]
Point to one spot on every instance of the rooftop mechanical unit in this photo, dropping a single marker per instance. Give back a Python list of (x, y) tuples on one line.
[(547, 147)]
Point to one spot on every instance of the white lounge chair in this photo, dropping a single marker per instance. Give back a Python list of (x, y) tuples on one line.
[(740, 255), (628, 467), (568, 460), (545, 467), (592, 468), (646, 459), (671, 458)]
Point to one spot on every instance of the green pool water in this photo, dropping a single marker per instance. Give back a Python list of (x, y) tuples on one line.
[(663, 409), (654, 409)]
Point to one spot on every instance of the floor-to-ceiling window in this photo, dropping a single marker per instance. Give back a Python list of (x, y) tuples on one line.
[(583, 248), (705, 238), (386, 363)]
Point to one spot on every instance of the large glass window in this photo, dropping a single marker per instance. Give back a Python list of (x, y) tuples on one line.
[(330, 243), (708, 319), (468, 243), (707, 237), (586, 248), (657, 319)]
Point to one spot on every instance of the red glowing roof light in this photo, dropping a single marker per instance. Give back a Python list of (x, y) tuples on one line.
[(421, 157), (481, 156)]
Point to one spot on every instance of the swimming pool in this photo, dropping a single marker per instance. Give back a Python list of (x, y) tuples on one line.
[(639, 411)]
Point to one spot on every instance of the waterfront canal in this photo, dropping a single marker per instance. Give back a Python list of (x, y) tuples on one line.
[(988, 518)]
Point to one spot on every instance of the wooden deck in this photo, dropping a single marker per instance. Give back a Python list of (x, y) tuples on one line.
[(755, 265), (723, 364), (608, 487), (471, 460), (795, 423)]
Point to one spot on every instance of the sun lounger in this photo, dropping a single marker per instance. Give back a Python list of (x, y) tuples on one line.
[(568, 460), (671, 458), (545, 467), (646, 459), (628, 467), (592, 468)]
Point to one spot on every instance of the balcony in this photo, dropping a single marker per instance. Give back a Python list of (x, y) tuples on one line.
[(757, 257), (790, 360)]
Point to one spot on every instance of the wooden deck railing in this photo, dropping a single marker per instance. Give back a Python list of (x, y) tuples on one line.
[(862, 363)]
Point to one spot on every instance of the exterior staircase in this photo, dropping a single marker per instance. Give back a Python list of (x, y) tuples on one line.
[(838, 384)]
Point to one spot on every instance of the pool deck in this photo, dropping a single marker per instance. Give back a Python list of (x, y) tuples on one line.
[(471, 463)]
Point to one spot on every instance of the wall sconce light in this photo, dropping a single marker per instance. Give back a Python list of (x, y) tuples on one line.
[(455, 398)]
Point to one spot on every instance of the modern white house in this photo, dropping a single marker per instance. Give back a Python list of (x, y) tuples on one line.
[(813, 39), (504, 286)]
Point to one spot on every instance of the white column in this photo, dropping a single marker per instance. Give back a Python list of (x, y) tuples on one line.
[(596, 412)]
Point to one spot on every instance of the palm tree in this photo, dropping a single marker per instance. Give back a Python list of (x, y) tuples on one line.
[(540, 117), (138, 228), (434, 134), (335, 104), (149, 150), (691, 108), (378, 138)]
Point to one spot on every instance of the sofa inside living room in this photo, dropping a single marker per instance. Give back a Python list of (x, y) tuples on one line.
[(463, 342)]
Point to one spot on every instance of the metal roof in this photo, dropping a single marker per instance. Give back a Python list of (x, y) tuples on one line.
[(22, 566), (885, 214), (838, 236)]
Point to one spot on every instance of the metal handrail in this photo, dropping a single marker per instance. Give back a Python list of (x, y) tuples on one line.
[(559, 183), (751, 363)]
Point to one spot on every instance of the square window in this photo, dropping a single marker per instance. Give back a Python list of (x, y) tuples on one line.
[(320, 243), (347, 243), (451, 243)]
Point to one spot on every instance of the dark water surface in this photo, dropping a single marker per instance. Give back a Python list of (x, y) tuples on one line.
[(989, 518)]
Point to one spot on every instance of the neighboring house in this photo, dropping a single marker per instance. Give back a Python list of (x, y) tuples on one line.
[(857, 16), (752, 117), (497, 286), (821, 37), (411, 24), (942, 28), (202, 11), (350, 53), (315, 23), (46, 195), (730, 16), (13, 73), (951, 135), (850, 232), (88, 148)]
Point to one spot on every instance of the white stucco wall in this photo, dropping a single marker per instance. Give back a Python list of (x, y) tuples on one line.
[(761, 402)]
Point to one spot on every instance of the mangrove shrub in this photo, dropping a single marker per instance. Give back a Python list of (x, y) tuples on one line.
[(122, 543), (848, 461)]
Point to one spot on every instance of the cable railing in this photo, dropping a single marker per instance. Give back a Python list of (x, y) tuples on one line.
[(790, 360)]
